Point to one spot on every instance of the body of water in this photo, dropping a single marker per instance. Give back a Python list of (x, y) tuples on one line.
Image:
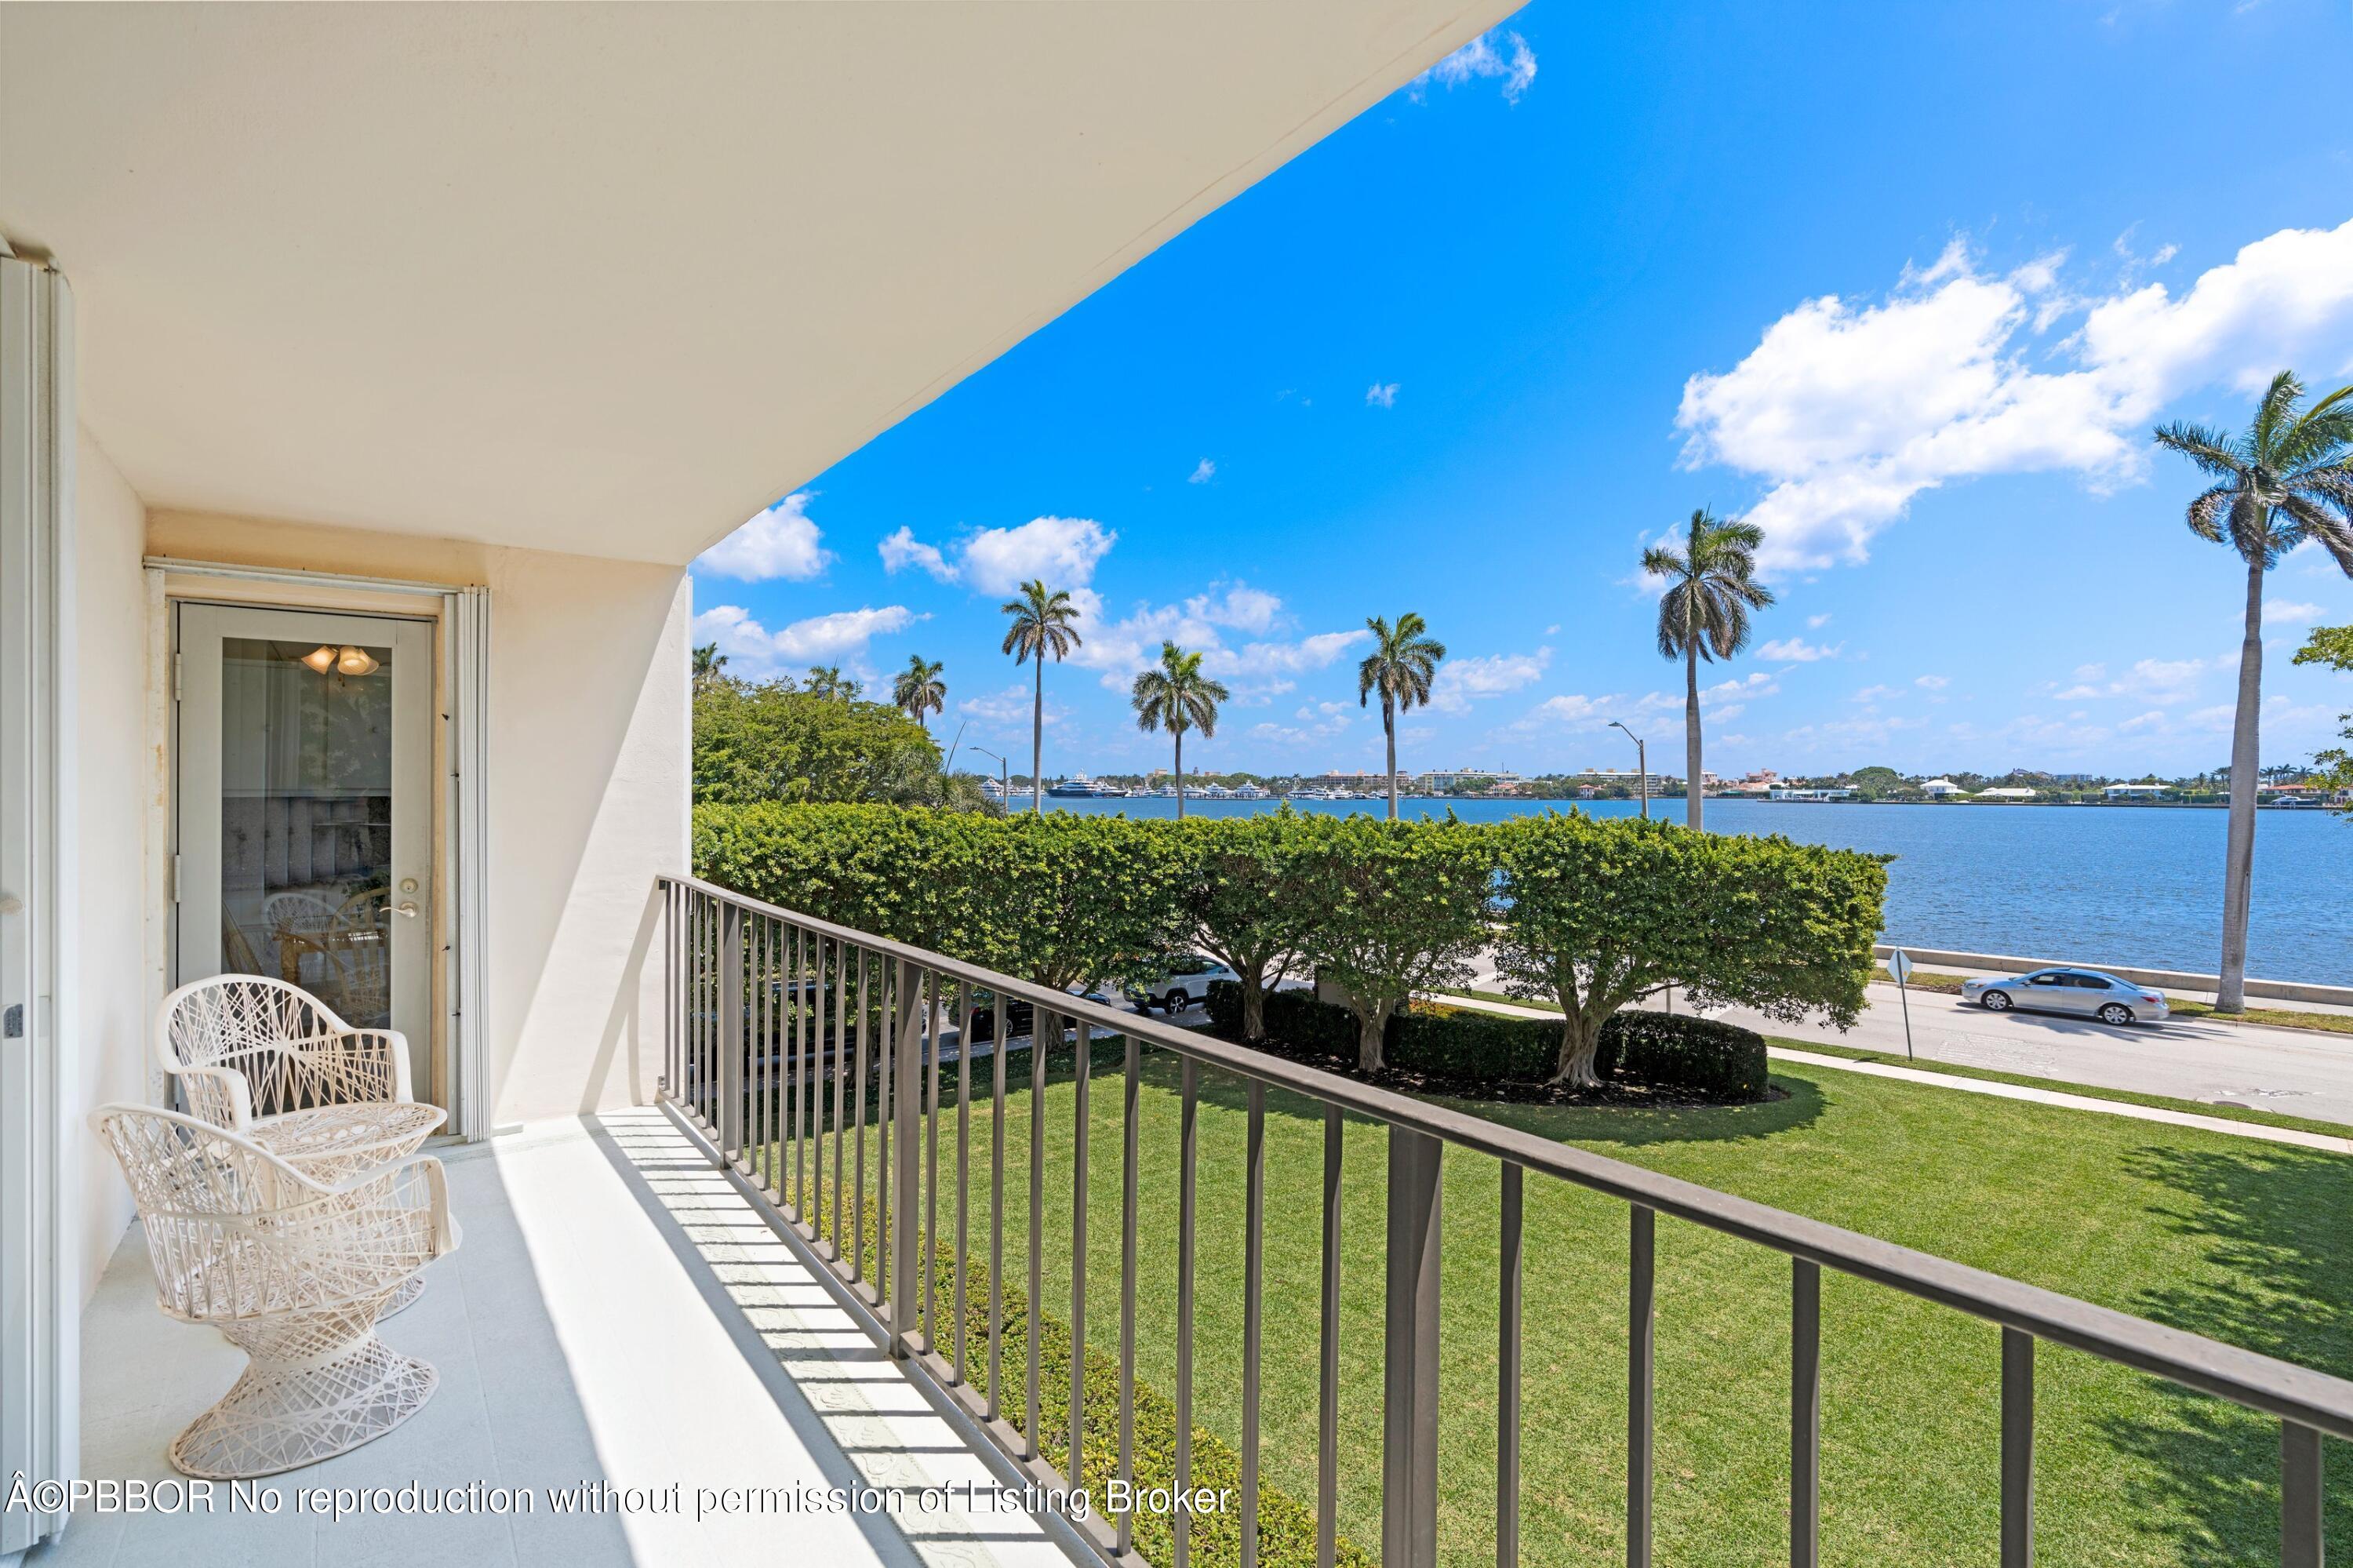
[(2119, 884)]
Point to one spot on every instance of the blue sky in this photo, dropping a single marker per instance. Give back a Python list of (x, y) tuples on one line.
[(1906, 284)]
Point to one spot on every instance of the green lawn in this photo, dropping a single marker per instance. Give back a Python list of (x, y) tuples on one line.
[(2245, 1241)]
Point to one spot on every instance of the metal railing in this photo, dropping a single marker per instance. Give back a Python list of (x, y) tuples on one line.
[(766, 1007)]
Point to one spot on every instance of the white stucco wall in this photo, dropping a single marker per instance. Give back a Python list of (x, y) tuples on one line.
[(116, 983), (588, 795)]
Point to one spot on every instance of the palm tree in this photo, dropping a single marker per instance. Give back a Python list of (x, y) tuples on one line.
[(2287, 481), (1177, 697), (1704, 614), (708, 663), (918, 690), (1043, 622), (827, 681), (1400, 667)]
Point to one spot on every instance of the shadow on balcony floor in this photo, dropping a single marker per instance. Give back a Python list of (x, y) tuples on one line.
[(618, 1315)]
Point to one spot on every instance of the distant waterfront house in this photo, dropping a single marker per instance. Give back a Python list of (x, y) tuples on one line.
[(2138, 791), (1941, 789), (2010, 792), (1809, 792)]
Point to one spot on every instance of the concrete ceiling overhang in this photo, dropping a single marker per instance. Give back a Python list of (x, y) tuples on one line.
[(609, 279)]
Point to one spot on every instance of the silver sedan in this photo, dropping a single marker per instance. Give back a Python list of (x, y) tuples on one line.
[(2086, 992)]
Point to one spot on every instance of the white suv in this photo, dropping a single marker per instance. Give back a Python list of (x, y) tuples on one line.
[(1184, 984)]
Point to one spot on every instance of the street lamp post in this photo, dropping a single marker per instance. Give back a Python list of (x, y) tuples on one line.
[(1642, 762), (1004, 776)]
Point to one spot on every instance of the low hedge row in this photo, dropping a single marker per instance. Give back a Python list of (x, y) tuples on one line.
[(1674, 1051)]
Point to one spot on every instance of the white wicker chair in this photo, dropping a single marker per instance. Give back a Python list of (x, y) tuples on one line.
[(270, 1062), (295, 1272)]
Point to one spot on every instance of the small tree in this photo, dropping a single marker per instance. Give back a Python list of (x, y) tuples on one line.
[(1250, 893), (2333, 768), (1404, 907), (1595, 915)]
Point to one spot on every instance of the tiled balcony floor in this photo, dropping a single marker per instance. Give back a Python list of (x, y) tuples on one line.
[(618, 1312)]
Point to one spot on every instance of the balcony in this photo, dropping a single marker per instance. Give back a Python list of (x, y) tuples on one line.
[(619, 1315)]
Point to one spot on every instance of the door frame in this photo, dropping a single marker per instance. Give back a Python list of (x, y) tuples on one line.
[(40, 1272), (461, 644), (409, 640)]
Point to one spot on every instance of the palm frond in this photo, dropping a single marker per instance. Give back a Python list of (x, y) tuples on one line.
[(2210, 449), (2206, 511)]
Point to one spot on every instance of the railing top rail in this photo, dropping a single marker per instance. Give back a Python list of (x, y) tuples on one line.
[(2313, 1398)]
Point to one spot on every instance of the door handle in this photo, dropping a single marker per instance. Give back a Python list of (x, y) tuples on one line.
[(406, 909)]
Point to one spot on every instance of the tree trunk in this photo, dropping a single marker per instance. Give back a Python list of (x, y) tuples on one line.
[(1253, 1008), (1037, 741), (1691, 733), (1180, 775), (1388, 728), (2246, 754), (1372, 1030), (1580, 1044)]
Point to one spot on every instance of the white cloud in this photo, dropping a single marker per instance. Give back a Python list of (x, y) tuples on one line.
[(1203, 472), (1875, 693), (1849, 411), (1796, 651), (2288, 613), (1459, 680), (2166, 683), (1241, 606), (902, 549), (1574, 711), (781, 542), (1816, 622), (755, 651), (1381, 395), (1010, 706), (1063, 550), (1484, 58), (1934, 683)]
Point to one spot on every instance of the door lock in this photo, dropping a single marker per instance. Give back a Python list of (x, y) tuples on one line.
[(406, 908)]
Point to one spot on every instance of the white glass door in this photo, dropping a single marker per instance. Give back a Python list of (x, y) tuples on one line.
[(305, 809)]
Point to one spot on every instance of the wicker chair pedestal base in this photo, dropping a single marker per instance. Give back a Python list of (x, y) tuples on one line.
[(289, 1410), (403, 1298)]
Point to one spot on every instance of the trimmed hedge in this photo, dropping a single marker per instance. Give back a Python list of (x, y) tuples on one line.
[(1675, 1051)]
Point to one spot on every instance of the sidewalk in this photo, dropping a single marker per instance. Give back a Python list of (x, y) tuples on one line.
[(2256, 1130)]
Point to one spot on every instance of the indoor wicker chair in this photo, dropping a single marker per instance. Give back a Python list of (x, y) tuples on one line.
[(295, 1272), (270, 1062)]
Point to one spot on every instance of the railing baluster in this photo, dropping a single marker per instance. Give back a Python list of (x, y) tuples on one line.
[(732, 1034), (906, 1099), (1127, 1176), (1188, 1115), (1805, 1412), (787, 1019), (1410, 1350), (763, 1018), (1033, 1439), (1327, 1386), (1641, 1326), (995, 1216), (840, 1079), (933, 1008), (1253, 1310), (886, 1039), (963, 1161), (820, 1070), (1085, 1046), (1507, 1375), (2017, 1449), (858, 1188), (2301, 1525)]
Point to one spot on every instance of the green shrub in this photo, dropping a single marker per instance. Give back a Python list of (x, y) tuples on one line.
[(1671, 1051), (1588, 915)]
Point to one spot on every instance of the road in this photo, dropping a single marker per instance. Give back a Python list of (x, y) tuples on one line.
[(2290, 1071)]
